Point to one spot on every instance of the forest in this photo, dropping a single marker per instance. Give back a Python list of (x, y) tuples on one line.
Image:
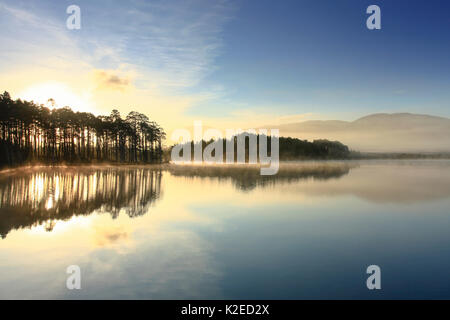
[(32, 133), (289, 148), (293, 148)]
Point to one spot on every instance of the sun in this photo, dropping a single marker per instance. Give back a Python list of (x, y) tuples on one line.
[(61, 94)]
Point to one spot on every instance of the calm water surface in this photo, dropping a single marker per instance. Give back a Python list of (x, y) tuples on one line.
[(221, 233)]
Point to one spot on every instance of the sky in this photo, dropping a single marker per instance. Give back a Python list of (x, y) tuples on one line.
[(229, 63)]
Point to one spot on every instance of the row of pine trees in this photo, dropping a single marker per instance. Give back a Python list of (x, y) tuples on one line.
[(35, 133)]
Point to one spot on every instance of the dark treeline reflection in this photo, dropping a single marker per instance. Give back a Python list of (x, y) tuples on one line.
[(48, 195), (247, 177)]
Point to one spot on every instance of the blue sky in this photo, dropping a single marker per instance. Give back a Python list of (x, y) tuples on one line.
[(248, 61), (305, 55)]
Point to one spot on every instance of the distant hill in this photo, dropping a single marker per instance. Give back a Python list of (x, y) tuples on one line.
[(397, 132)]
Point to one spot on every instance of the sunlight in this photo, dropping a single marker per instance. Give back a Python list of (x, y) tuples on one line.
[(61, 94), (60, 227)]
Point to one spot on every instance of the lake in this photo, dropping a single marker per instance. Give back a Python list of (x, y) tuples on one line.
[(218, 232)]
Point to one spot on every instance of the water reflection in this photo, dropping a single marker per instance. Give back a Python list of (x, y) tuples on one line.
[(383, 181), (228, 233), (30, 199), (247, 177), (43, 196)]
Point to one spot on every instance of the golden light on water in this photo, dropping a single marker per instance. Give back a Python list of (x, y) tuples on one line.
[(42, 197)]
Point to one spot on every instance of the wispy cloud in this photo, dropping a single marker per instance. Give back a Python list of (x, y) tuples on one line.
[(173, 43), (142, 55), (176, 42), (110, 80)]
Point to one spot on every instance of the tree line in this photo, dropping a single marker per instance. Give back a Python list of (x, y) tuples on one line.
[(35, 133), (293, 148), (289, 148)]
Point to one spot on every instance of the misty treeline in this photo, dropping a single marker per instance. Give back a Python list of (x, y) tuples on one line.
[(293, 148), (34, 133), (289, 148)]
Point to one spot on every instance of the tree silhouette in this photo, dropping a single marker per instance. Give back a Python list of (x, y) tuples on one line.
[(35, 133), (289, 148)]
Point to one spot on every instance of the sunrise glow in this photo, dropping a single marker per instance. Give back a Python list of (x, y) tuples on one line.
[(61, 94)]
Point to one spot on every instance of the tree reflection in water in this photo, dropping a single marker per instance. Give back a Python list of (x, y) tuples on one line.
[(44, 195), (47, 195), (248, 177)]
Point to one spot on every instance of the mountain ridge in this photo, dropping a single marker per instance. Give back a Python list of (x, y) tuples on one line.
[(379, 132)]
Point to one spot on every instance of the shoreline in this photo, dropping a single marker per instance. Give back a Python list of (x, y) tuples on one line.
[(170, 165)]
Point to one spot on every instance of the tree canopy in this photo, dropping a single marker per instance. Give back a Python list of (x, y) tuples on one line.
[(289, 148), (35, 133)]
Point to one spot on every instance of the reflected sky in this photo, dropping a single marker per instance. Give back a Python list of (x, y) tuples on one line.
[(212, 233)]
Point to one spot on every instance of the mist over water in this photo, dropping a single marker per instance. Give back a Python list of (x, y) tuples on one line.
[(208, 232)]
